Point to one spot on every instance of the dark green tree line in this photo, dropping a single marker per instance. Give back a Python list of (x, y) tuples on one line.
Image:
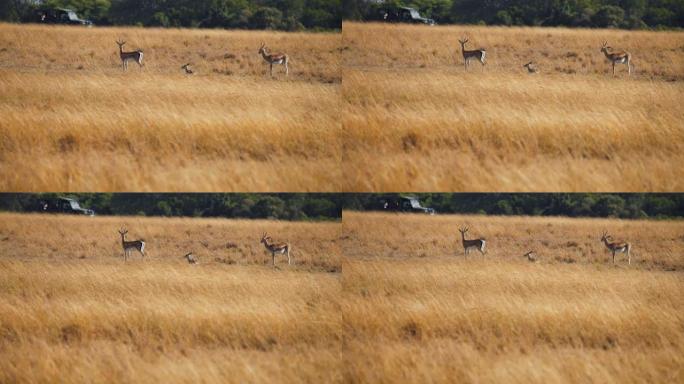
[(231, 205), (630, 14), (628, 206), (288, 15)]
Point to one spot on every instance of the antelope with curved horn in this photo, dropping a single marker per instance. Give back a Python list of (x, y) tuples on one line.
[(191, 258), (128, 246), (478, 244), (531, 68), (468, 55), (617, 57), (136, 56), (186, 68), (282, 248), (616, 247), (274, 58)]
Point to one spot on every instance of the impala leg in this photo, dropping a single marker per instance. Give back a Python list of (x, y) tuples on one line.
[(288, 257), (273, 257), (287, 70), (613, 257), (271, 69), (613, 68)]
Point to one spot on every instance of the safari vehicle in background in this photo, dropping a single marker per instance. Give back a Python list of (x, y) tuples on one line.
[(64, 205), (406, 204), (59, 16), (396, 14)]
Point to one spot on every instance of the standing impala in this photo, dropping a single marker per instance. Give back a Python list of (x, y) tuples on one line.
[(136, 56), (616, 247), (478, 54), (274, 58), (617, 57), (282, 248), (478, 244), (128, 246)]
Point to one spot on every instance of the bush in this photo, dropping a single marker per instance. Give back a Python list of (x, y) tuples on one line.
[(608, 16)]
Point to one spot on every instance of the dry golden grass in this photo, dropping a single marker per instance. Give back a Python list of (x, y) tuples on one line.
[(72, 311), (72, 120), (414, 121), (415, 311)]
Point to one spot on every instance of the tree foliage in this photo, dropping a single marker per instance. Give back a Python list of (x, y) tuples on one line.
[(233, 205), (627, 206), (246, 14), (578, 13)]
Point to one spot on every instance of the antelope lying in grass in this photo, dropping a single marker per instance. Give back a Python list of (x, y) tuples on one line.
[(136, 56), (187, 69), (478, 54), (616, 247), (191, 258), (478, 244), (274, 58), (128, 246), (282, 248), (531, 68), (617, 57)]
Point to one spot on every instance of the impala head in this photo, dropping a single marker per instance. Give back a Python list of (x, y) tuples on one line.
[(123, 231), (605, 48), (265, 237), (463, 41), (262, 49), (121, 43), (527, 65), (187, 255), (606, 237), (463, 230)]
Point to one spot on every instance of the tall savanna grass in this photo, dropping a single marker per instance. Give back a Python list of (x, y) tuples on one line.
[(416, 310), (413, 120), (72, 120), (71, 310)]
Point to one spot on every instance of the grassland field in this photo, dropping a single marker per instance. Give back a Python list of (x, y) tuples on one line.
[(415, 309), (377, 298), (72, 120), (415, 120), (71, 310)]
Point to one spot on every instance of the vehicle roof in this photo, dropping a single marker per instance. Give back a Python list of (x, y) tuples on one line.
[(408, 197)]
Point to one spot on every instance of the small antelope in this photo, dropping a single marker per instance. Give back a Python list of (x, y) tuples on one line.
[(187, 69), (531, 68), (136, 56), (531, 257), (478, 244), (191, 258), (282, 248), (616, 247), (274, 58), (478, 54), (619, 57), (128, 246)]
